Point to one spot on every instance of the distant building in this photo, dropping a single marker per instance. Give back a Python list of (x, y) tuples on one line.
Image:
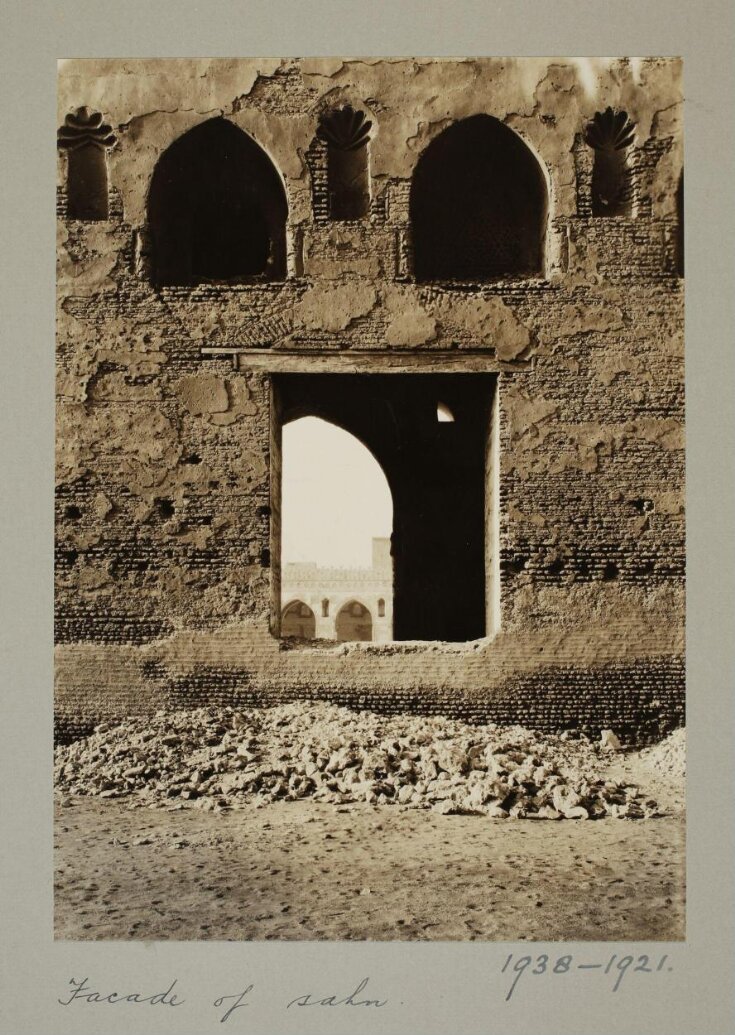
[(339, 603)]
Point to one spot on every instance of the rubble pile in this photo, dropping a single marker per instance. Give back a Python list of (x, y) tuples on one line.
[(669, 756), (217, 758)]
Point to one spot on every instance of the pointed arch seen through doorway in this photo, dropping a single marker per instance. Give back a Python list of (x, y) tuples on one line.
[(336, 523)]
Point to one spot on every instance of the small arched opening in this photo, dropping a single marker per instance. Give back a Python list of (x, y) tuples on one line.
[(478, 204), (354, 622), (443, 414), (298, 620), (217, 209)]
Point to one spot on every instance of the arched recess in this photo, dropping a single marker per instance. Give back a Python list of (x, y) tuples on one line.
[(217, 209), (354, 622), (611, 135), (86, 138), (298, 620), (346, 132), (478, 204)]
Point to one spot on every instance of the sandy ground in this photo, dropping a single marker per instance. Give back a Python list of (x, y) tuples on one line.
[(304, 870)]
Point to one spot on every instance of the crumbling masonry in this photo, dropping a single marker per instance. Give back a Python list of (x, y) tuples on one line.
[(244, 242)]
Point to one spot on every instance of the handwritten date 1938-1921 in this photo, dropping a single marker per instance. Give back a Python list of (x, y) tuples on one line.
[(616, 966)]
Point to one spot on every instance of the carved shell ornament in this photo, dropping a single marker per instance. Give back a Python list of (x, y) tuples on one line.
[(345, 128), (610, 131), (83, 127)]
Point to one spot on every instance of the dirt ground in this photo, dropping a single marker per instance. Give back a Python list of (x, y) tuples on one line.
[(308, 871)]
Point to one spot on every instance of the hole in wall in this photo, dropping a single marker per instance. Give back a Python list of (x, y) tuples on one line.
[(611, 134), (166, 508), (346, 132), (86, 137)]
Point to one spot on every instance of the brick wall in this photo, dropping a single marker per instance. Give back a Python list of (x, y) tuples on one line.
[(167, 494)]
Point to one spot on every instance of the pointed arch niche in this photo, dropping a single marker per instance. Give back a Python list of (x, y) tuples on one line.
[(217, 209), (478, 204)]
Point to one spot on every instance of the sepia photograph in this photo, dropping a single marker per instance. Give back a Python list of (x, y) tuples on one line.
[(369, 512)]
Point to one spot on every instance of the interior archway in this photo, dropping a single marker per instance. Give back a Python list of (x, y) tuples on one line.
[(298, 620), (217, 209), (478, 204), (354, 622)]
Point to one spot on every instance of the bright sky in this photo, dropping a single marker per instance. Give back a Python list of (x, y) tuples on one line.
[(335, 497)]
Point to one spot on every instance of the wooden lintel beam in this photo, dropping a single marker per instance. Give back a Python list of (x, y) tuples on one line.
[(365, 360)]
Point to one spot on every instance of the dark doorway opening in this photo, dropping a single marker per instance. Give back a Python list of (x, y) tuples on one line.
[(478, 204), (217, 209), (438, 475)]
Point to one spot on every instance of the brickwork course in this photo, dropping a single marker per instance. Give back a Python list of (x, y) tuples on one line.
[(168, 442)]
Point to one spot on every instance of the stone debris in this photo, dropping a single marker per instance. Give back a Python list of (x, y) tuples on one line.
[(668, 757), (610, 741), (218, 758)]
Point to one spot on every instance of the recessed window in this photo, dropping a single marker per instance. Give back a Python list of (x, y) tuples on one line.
[(217, 209), (478, 204), (438, 554)]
